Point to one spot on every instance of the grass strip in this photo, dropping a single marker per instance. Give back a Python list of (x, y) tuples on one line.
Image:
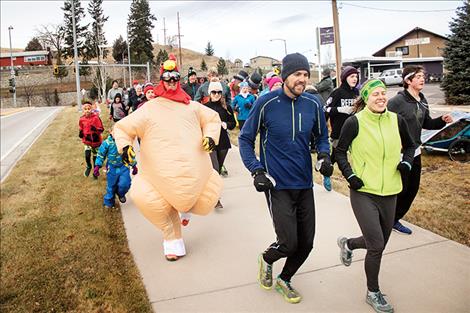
[(60, 250)]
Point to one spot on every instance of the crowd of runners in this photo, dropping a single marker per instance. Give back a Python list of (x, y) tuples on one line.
[(183, 139)]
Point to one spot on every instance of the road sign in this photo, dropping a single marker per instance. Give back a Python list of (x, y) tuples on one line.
[(327, 35)]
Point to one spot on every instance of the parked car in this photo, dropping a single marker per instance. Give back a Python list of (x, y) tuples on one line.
[(392, 77)]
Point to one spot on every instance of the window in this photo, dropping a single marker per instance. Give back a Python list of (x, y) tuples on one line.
[(404, 50), (34, 58)]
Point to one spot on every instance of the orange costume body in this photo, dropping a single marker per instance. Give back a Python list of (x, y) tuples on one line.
[(175, 174)]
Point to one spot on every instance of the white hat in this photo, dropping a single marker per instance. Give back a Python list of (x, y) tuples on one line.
[(214, 86)]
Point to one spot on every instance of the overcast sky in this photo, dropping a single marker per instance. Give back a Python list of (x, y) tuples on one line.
[(243, 29)]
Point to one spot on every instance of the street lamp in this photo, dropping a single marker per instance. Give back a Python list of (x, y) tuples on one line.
[(12, 71), (285, 45)]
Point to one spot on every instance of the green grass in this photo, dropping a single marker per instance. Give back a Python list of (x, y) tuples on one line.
[(60, 250)]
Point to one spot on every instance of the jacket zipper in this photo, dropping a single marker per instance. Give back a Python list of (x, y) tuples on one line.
[(383, 152), (300, 122), (293, 121)]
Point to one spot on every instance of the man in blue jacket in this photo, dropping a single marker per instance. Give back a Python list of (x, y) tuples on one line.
[(286, 119)]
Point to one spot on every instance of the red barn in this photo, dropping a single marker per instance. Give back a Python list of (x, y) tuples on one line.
[(26, 58)]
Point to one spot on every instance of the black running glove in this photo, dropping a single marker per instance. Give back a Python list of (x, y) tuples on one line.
[(263, 181), (355, 182), (324, 164)]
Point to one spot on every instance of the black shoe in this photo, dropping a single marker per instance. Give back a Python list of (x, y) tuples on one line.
[(122, 199)]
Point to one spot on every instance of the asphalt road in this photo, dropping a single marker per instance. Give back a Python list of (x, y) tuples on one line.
[(19, 131)]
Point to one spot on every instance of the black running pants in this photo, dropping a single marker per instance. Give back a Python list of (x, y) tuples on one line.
[(410, 189), (293, 215), (374, 215)]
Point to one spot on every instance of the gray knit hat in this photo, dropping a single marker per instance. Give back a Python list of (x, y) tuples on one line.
[(294, 62)]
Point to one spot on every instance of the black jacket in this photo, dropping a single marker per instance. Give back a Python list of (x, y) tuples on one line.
[(342, 96), (227, 117), (415, 113), (191, 89)]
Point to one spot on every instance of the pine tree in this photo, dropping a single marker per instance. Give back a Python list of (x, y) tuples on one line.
[(203, 65), (95, 36), (33, 45), (209, 49), (140, 36), (68, 50), (222, 67), (162, 56), (119, 49), (456, 82)]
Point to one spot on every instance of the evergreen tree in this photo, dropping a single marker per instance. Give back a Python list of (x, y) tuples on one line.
[(140, 36), (95, 36), (119, 49), (162, 56), (456, 60), (209, 49), (79, 30), (203, 65), (33, 45), (222, 67)]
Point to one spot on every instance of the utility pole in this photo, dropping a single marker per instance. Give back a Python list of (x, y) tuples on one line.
[(339, 62), (164, 32), (75, 59), (179, 41), (318, 51), (12, 71)]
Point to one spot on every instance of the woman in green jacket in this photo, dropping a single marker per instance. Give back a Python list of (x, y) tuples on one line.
[(381, 150)]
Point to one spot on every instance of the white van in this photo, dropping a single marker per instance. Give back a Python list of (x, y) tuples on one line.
[(392, 77)]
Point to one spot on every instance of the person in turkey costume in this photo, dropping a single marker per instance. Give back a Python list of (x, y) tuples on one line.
[(176, 174)]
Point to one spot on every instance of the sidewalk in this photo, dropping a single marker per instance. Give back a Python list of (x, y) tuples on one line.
[(420, 273)]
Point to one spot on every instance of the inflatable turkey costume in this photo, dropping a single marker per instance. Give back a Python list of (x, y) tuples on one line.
[(175, 173)]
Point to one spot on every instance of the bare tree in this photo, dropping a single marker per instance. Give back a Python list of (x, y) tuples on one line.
[(29, 92), (52, 35)]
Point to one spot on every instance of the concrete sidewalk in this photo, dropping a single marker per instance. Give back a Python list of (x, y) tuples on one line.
[(420, 273)]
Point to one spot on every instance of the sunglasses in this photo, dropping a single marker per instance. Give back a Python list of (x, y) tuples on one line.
[(169, 76), (219, 92)]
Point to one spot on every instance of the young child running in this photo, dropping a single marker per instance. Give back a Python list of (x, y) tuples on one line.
[(91, 128), (118, 176)]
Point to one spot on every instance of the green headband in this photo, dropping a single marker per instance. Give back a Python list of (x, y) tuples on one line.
[(366, 90)]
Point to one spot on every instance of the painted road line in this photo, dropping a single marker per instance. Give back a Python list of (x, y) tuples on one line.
[(27, 135)]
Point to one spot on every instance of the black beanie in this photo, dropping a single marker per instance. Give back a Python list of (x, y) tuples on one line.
[(294, 62), (348, 70)]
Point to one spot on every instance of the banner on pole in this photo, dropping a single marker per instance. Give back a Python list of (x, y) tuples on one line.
[(327, 35)]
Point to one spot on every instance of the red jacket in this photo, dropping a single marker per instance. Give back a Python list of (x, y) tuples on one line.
[(91, 128)]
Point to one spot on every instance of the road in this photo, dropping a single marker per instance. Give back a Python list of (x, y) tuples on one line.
[(19, 131)]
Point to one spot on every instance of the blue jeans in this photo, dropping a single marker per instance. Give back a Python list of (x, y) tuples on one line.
[(118, 182)]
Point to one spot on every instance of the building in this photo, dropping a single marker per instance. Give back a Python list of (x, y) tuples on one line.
[(416, 47), (417, 43), (264, 63), (26, 58)]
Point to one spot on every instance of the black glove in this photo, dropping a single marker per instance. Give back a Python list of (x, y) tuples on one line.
[(208, 144), (248, 105), (324, 164), (128, 155), (80, 134), (93, 128), (405, 169), (355, 182), (263, 181)]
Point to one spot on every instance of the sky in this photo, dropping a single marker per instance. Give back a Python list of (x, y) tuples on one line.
[(244, 29)]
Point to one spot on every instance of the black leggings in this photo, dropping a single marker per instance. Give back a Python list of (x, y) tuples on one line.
[(410, 189), (218, 158), (374, 215), (88, 154), (293, 214)]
